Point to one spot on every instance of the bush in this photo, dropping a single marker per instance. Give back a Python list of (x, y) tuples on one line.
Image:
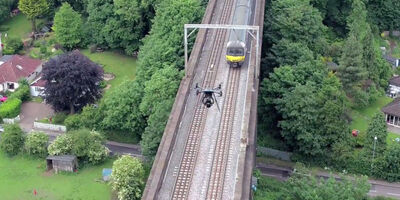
[(36, 144), (22, 92), (73, 122), (88, 145), (11, 108), (12, 139), (59, 118), (13, 45), (128, 177), (61, 146), (4, 28)]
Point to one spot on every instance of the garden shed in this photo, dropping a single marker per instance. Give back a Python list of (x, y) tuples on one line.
[(67, 163)]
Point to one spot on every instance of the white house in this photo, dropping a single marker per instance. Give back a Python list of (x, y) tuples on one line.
[(394, 87), (37, 87), (16, 67)]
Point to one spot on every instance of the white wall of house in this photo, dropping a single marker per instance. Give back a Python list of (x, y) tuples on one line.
[(394, 91), (36, 90), (6, 86)]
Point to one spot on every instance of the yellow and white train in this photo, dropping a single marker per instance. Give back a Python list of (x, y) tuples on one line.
[(236, 46)]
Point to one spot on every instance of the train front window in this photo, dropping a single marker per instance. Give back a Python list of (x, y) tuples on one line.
[(235, 52)]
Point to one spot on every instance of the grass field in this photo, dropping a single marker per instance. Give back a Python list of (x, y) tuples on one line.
[(20, 176), (362, 117), (19, 25), (123, 67)]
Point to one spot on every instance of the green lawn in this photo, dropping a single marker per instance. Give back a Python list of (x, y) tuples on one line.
[(19, 25), (123, 67), (20, 175), (362, 117)]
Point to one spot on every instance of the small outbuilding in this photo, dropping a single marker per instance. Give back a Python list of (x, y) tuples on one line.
[(68, 163)]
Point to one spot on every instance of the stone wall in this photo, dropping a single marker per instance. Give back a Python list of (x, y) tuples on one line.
[(50, 127)]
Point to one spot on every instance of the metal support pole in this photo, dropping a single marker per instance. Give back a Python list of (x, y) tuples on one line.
[(186, 53)]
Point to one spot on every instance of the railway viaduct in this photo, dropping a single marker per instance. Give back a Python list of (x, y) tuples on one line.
[(206, 153)]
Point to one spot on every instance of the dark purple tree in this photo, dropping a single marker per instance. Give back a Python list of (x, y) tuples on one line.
[(72, 81)]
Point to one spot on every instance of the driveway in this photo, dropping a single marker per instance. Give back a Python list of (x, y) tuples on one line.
[(31, 111)]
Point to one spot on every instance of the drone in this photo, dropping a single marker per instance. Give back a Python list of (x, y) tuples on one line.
[(209, 97)]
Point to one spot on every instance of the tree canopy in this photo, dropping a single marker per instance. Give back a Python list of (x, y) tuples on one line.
[(67, 26), (33, 9), (128, 178), (72, 81)]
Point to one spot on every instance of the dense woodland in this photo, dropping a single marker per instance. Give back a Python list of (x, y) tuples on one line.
[(321, 59)]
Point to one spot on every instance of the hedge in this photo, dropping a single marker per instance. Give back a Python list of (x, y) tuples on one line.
[(21, 93), (11, 108)]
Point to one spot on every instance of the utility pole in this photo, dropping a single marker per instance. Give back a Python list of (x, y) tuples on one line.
[(373, 153)]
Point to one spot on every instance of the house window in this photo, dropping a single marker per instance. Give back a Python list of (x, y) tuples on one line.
[(10, 86)]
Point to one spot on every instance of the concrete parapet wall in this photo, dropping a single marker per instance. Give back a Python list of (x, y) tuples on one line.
[(50, 127), (246, 161)]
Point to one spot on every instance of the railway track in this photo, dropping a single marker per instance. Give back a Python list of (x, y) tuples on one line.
[(188, 161), (221, 153)]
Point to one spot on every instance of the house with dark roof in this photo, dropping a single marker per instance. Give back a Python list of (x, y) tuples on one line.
[(394, 87), (392, 113), (14, 68)]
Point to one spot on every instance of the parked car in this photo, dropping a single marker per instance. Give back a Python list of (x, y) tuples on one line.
[(3, 98)]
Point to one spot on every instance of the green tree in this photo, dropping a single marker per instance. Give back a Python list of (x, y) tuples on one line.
[(61, 145), (33, 9), (98, 13), (88, 145), (68, 26), (163, 46), (303, 185), (162, 86), (286, 52), (357, 20), (12, 140), (389, 166), (36, 144), (126, 27), (297, 21), (154, 131), (377, 127), (384, 13), (351, 70), (5, 9), (121, 109), (128, 178)]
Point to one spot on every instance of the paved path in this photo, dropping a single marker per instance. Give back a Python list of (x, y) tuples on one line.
[(31, 111), (378, 188)]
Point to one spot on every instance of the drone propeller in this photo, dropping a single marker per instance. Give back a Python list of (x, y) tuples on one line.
[(216, 102)]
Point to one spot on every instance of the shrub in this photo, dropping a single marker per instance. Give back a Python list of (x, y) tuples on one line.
[(11, 108), (88, 145), (128, 177), (61, 146), (73, 122), (36, 144), (22, 92), (4, 28), (59, 118), (12, 139), (13, 45)]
